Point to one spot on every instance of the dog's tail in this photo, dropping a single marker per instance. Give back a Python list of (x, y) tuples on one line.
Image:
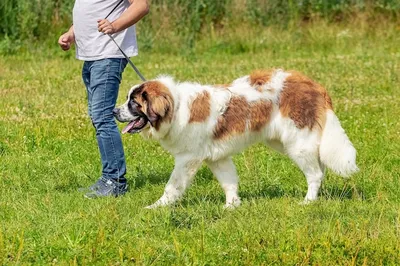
[(336, 151)]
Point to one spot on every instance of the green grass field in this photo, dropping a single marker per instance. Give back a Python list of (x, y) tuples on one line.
[(48, 151)]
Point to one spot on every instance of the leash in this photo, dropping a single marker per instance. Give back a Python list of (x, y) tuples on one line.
[(120, 49)]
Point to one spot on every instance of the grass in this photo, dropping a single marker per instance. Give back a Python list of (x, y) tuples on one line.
[(48, 151)]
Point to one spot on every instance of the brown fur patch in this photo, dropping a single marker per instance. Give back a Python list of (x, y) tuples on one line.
[(239, 113), (200, 108), (234, 118), (156, 102), (260, 77), (304, 101), (260, 113)]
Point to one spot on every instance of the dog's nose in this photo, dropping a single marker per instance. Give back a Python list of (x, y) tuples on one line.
[(115, 111)]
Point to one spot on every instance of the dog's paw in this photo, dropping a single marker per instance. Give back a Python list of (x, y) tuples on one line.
[(232, 204), (152, 206), (306, 202), (159, 203)]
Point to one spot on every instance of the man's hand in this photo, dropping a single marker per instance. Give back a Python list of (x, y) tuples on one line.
[(67, 39), (137, 10), (105, 26)]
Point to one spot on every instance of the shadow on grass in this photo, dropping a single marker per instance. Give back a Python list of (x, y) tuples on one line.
[(344, 192), (137, 181), (332, 192), (140, 179), (204, 177), (188, 214), (189, 218), (70, 183)]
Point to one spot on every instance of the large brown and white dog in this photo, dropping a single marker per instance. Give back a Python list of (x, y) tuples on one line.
[(209, 123)]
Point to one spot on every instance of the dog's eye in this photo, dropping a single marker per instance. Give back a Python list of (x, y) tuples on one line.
[(135, 103), (144, 95)]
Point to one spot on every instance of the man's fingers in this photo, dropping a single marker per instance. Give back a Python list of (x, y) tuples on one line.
[(102, 22), (65, 47), (65, 41), (100, 26), (61, 40), (105, 28), (104, 25), (64, 44)]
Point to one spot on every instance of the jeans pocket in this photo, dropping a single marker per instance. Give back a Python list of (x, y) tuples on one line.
[(122, 65)]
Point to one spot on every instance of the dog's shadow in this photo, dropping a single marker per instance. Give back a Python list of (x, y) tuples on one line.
[(140, 180), (136, 181), (347, 191), (343, 190), (328, 191)]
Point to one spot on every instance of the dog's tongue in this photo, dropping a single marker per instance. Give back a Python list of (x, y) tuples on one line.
[(128, 127)]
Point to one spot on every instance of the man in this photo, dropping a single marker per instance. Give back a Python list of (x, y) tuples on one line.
[(102, 72)]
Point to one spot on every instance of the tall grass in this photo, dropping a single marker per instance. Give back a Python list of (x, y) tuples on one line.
[(184, 21)]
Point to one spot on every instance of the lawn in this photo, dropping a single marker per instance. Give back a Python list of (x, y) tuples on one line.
[(48, 151)]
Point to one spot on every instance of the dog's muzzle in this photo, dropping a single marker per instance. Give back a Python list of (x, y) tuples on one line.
[(134, 126)]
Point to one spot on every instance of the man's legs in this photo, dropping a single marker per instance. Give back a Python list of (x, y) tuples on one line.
[(102, 79)]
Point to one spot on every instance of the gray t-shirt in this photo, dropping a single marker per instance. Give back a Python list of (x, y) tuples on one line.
[(94, 45)]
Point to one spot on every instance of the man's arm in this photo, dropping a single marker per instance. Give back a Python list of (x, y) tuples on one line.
[(135, 12)]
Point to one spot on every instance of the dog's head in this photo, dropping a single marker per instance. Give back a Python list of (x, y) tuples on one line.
[(148, 105)]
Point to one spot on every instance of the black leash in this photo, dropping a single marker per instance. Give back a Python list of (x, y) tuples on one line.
[(123, 53), (115, 7)]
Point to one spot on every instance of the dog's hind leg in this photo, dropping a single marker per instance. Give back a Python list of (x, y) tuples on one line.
[(181, 178), (225, 171), (305, 153)]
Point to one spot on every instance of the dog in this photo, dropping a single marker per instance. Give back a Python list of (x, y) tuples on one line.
[(197, 123)]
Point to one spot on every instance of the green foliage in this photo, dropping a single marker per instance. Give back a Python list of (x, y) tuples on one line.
[(28, 20), (269, 12), (198, 13), (9, 46), (187, 21)]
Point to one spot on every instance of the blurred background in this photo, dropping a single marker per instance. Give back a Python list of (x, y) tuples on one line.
[(176, 25)]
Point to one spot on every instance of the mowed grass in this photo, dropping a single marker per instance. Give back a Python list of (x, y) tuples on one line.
[(48, 151)]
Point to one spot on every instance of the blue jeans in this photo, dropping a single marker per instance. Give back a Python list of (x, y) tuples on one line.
[(102, 79)]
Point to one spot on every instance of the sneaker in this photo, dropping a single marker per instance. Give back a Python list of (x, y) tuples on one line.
[(105, 188), (94, 186)]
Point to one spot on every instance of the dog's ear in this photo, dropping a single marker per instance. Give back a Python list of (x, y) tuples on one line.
[(158, 108), (158, 103)]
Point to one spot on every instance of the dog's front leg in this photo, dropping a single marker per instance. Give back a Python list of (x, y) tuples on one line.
[(181, 177)]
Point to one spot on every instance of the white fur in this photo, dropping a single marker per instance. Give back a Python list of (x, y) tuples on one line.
[(193, 143)]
